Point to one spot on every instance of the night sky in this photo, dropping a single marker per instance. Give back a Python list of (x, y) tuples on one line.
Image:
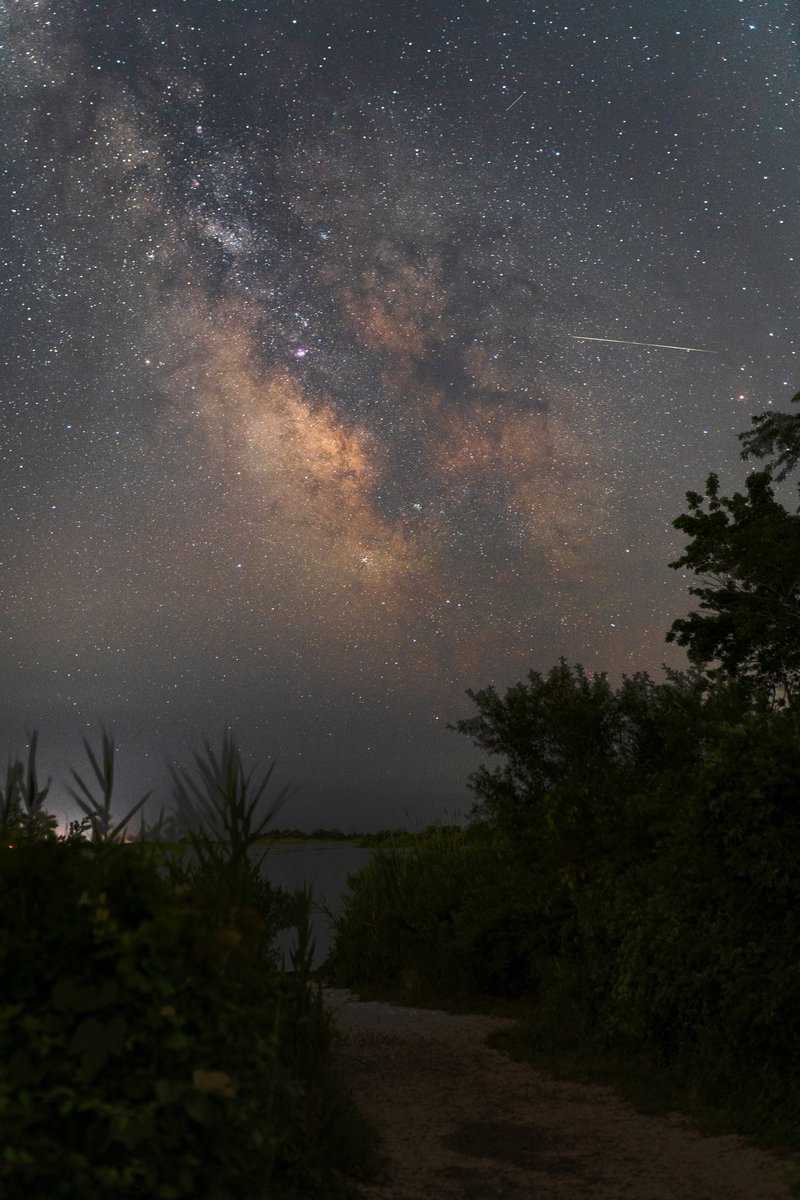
[(299, 434)]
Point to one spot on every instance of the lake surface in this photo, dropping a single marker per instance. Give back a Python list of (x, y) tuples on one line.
[(324, 867)]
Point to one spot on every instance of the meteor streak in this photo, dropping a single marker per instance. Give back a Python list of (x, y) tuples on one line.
[(513, 102), (579, 337)]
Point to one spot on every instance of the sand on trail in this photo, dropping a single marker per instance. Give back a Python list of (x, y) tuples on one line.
[(461, 1121)]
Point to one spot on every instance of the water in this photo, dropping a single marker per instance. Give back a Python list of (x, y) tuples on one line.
[(324, 867)]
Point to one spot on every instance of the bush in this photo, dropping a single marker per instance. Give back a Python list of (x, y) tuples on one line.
[(143, 1049), (644, 898), (150, 1045), (436, 919)]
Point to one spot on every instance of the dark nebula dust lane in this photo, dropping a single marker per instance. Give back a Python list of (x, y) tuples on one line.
[(346, 360)]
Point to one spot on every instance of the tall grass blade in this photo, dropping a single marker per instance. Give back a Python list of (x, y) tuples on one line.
[(34, 795), (99, 810), (218, 805)]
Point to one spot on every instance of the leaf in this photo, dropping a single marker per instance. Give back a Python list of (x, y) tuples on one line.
[(73, 993), (211, 1082), (131, 1129), (95, 1041), (167, 1091)]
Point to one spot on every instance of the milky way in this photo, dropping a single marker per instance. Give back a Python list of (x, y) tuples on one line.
[(339, 360)]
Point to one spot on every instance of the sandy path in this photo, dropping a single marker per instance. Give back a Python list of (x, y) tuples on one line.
[(460, 1121)]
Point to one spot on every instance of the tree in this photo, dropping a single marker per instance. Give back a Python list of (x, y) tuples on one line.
[(544, 731), (745, 549), (574, 752), (776, 434)]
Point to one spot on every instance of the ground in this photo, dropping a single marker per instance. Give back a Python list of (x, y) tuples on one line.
[(461, 1121)]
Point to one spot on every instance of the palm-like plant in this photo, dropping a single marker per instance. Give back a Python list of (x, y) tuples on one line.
[(98, 809), (220, 811), (22, 800), (217, 809)]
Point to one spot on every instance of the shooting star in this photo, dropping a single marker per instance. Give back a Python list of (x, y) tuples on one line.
[(513, 102), (578, 337)]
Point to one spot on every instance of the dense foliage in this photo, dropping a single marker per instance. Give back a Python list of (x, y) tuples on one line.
[(150, 1045), (456, 928), (775, 436), (746, 550), (634, 866)]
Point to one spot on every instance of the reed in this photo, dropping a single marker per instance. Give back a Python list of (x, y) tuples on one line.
[(152, 1045)]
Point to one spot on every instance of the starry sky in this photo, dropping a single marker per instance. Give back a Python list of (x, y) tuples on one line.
[(299, 432)]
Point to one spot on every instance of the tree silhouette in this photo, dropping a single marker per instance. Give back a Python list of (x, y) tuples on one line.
[(745, 549)]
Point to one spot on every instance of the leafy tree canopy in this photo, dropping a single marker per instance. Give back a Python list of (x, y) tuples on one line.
[(775, 435), (571, 732), (745, 549)]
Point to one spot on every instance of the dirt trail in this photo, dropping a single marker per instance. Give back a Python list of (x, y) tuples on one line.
[(460, 1121)]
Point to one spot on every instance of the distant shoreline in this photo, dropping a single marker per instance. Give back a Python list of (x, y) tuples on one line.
[(317, 838)]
